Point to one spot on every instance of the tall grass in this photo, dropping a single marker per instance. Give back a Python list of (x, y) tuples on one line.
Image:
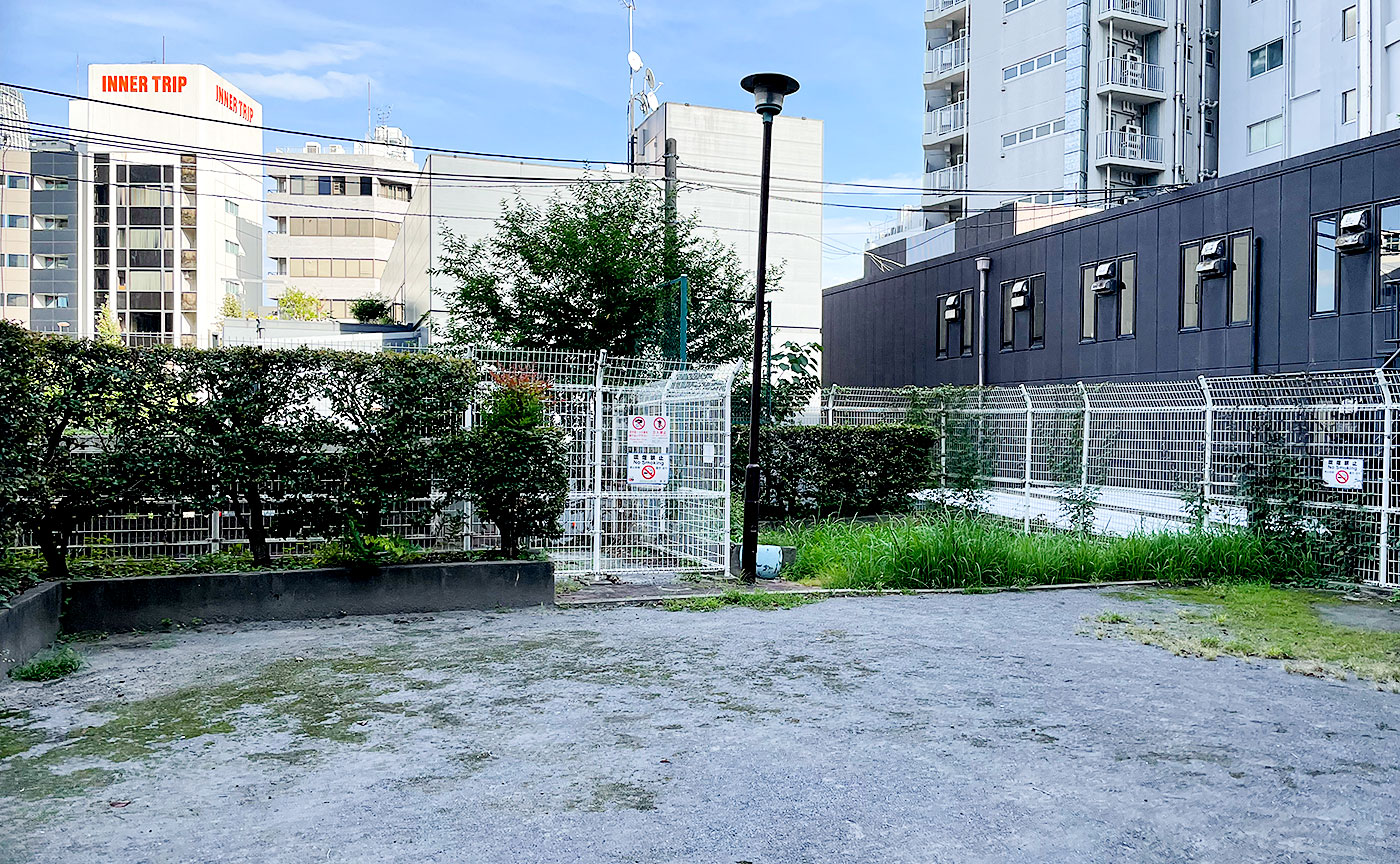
[(939, 552)]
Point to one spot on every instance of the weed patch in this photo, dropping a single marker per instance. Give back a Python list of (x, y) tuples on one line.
[(1259, 621), (735, 597), (49, 666), (959, 552)]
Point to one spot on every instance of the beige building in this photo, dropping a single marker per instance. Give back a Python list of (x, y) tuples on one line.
[(334, 216)]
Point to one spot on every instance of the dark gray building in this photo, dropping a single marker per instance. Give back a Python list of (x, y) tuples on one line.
[(1287, 267), (54, 248)]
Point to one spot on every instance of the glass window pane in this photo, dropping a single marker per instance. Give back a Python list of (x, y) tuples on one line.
[(1088, 327), (1127, 296), (1242, 256), (1008, 316), (1256, 62), (965, 320), (1008, 73), (1028, 66), (941, 343), (1190, 287), (1008, 140), (1325, 272), (1389, 251), (1275, 54), (1038, 310)]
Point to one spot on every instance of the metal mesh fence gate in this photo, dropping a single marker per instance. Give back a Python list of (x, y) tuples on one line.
[(1160, 455), (611, 526)]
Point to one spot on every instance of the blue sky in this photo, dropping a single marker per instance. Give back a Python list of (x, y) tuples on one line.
[(534, 77)]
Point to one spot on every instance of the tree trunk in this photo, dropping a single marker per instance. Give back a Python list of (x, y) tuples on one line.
[(510, 542), (53, 545), (257, 532)]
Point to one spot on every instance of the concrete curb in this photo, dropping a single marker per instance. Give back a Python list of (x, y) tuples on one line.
[(649, 599), (146, 602), (30, 625)]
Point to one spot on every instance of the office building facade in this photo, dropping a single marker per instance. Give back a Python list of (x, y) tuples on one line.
[(42, 254), (335, 214), (175, 205)]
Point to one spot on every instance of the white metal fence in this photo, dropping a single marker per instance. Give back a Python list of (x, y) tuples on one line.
[(611, 525), (1156, 454)]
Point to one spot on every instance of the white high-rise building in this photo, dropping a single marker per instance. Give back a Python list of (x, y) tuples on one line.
[(1300, 75), (1054, 100), (335, 214), (175, 214), (14, 120)]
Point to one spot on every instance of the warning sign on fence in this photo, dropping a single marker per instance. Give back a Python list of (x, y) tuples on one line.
[(648, 430), (1342, 473), (648, 470)]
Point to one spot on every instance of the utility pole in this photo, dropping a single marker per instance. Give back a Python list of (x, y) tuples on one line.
[(670, 255)]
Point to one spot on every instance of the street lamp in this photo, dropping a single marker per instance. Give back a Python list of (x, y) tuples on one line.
[(768, 89)]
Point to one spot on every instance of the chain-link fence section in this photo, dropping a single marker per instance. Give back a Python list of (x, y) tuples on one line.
[(1317, 448), (674, 520)]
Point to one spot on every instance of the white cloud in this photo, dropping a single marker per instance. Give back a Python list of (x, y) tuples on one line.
[(301, 88), (321, 54)]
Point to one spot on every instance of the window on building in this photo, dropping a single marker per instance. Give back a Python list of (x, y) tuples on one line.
[(1325, 266), (1388, 257), (50, 184), (1103, 282), (1265, 134), (16, 260), (1026, 67), (1210, 57), (1241, 277), (366, 185), (954, 332), (297, 185), (1023, 300), (1190, 287), (16, 181), (1348, 23), (1013, 5), (232, 248), (337, 185), (1349, 106), (1032, 133), (231, 207), (49, 262), (323, 185), (1266, 58), (17, 300), (16, 221), (1208, 125)]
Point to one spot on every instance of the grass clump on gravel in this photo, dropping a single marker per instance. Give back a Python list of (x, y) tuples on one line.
[(49, 666), (734, 597), (1259, 621), (958, 552)]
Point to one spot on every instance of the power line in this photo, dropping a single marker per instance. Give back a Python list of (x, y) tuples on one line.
[(243, 125)]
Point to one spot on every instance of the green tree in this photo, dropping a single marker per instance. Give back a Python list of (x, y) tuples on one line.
[(518, 474), (398, 422), (251, 437), (231, 308), (85, 433), (587, 272), (372, 310), (298, 305), (795, 381), (109, 329)]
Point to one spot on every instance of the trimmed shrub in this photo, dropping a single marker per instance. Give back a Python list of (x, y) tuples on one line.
[(809, 471), (518, 471)]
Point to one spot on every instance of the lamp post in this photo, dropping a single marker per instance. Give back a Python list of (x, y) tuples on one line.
[(768, 89)]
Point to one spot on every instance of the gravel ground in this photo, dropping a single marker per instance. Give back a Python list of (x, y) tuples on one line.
[(943, 728)]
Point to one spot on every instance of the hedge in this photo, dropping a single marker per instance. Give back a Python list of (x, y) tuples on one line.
[(809, 471)]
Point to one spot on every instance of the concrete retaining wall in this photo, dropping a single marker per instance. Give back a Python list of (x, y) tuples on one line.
[(29, 625), (150, 601)]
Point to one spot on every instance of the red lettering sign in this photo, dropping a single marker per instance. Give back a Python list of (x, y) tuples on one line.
[(144, 83)]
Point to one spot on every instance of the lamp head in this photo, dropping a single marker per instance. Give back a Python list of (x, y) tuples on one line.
[(768, 89)]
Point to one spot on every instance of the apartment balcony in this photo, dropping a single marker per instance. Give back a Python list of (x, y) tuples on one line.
[(945, 61), (1132, 80), (1132, 150), (938, 12), (1134, 16), (944, 184), (943, 123)]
